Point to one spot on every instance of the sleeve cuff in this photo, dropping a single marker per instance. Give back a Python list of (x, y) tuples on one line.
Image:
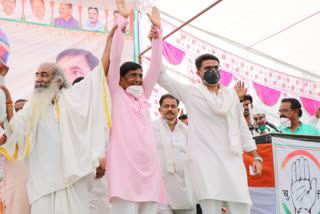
[(250, 148), (122, 22)]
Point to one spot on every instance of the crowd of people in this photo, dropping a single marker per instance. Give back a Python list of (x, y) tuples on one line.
[(92, 147)]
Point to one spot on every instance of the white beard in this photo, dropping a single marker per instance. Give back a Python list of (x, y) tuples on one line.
[(41, 100)]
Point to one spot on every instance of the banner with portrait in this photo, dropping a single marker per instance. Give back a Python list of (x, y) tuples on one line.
[(73, 35), (297, 175)]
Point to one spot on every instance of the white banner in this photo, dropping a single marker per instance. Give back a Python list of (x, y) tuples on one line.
[(297, 174)]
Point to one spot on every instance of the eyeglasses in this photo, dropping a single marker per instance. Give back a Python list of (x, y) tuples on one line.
[(168, 106), (260, 118), (42, 75), (283, 111)]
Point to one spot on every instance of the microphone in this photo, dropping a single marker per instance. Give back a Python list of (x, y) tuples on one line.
[(271, 125)]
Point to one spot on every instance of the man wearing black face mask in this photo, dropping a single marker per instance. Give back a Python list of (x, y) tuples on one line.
[(218, 135)]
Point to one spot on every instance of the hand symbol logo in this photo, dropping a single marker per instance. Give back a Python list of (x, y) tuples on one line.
[(303, 191)]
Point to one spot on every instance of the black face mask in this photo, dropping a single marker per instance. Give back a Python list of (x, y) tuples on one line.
[(211, 77)]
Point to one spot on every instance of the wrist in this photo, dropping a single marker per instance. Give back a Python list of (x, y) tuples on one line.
[(9, 103), (258, 158)]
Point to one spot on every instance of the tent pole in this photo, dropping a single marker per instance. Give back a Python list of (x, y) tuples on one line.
[(184, 24)]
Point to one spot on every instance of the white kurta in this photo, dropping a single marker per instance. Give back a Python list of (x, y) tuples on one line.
[(3, 109), (67, 145), (216, 172), (178, 185), (314, 121)]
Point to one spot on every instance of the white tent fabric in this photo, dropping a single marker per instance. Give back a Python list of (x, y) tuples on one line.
[(282, 33)]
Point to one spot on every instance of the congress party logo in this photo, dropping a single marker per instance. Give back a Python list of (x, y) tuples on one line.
[(303, 192)]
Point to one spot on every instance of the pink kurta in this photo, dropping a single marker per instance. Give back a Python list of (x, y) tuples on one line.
[(132, 161), (15, 188)]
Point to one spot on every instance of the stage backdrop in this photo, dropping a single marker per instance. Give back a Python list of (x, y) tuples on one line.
[(49, 31)]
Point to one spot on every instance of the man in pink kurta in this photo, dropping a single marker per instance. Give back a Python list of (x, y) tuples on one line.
[(132, 162), (15, 194)]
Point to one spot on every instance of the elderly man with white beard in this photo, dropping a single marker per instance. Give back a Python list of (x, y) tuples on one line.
[(61, 134), (171, 138)]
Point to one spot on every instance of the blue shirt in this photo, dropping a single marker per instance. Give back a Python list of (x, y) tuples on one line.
[(304, 129), (98, 26)]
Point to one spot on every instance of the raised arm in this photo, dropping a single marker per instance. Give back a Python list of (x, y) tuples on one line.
[(9, 104), (3, 71), (177, 89), (117, 46), (105, 60), (156, 55)]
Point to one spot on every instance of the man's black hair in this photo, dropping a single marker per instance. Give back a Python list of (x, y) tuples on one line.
[(248, 97), (129, 66), (89, 8), (295, 104), (20, 100), (166, 96), (204, 57)]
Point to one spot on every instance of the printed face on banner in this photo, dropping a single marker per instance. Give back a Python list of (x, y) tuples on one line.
[(298, 179), (11, 10), (67, 16), (77, 63), (38, 12), (95, 19)]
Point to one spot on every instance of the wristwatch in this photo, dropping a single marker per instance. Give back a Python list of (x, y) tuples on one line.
[(258, 158)]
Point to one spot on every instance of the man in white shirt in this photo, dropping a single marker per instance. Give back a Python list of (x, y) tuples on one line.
[(61, 134), (218, 135), (315, 119), (171, 138)]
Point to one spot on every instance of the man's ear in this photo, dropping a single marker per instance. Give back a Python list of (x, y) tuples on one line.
[(159, 109), (198, 73), (122, 83), (60, 82)]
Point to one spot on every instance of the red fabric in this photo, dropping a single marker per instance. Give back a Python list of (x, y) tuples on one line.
[(266, 179)]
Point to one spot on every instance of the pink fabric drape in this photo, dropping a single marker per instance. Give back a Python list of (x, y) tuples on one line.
[(226, 77), (172, 54), (268, 95), (310, 105)]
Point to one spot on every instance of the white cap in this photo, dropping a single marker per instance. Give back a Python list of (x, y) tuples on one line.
[(256, 111)]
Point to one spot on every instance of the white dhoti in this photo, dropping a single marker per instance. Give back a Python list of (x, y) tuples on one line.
[(165, 209), (215, 206), (98, 196), (70, 200), (120, 206)]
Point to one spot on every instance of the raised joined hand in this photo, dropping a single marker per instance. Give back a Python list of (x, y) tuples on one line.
[(155, 17), (122, 8)]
